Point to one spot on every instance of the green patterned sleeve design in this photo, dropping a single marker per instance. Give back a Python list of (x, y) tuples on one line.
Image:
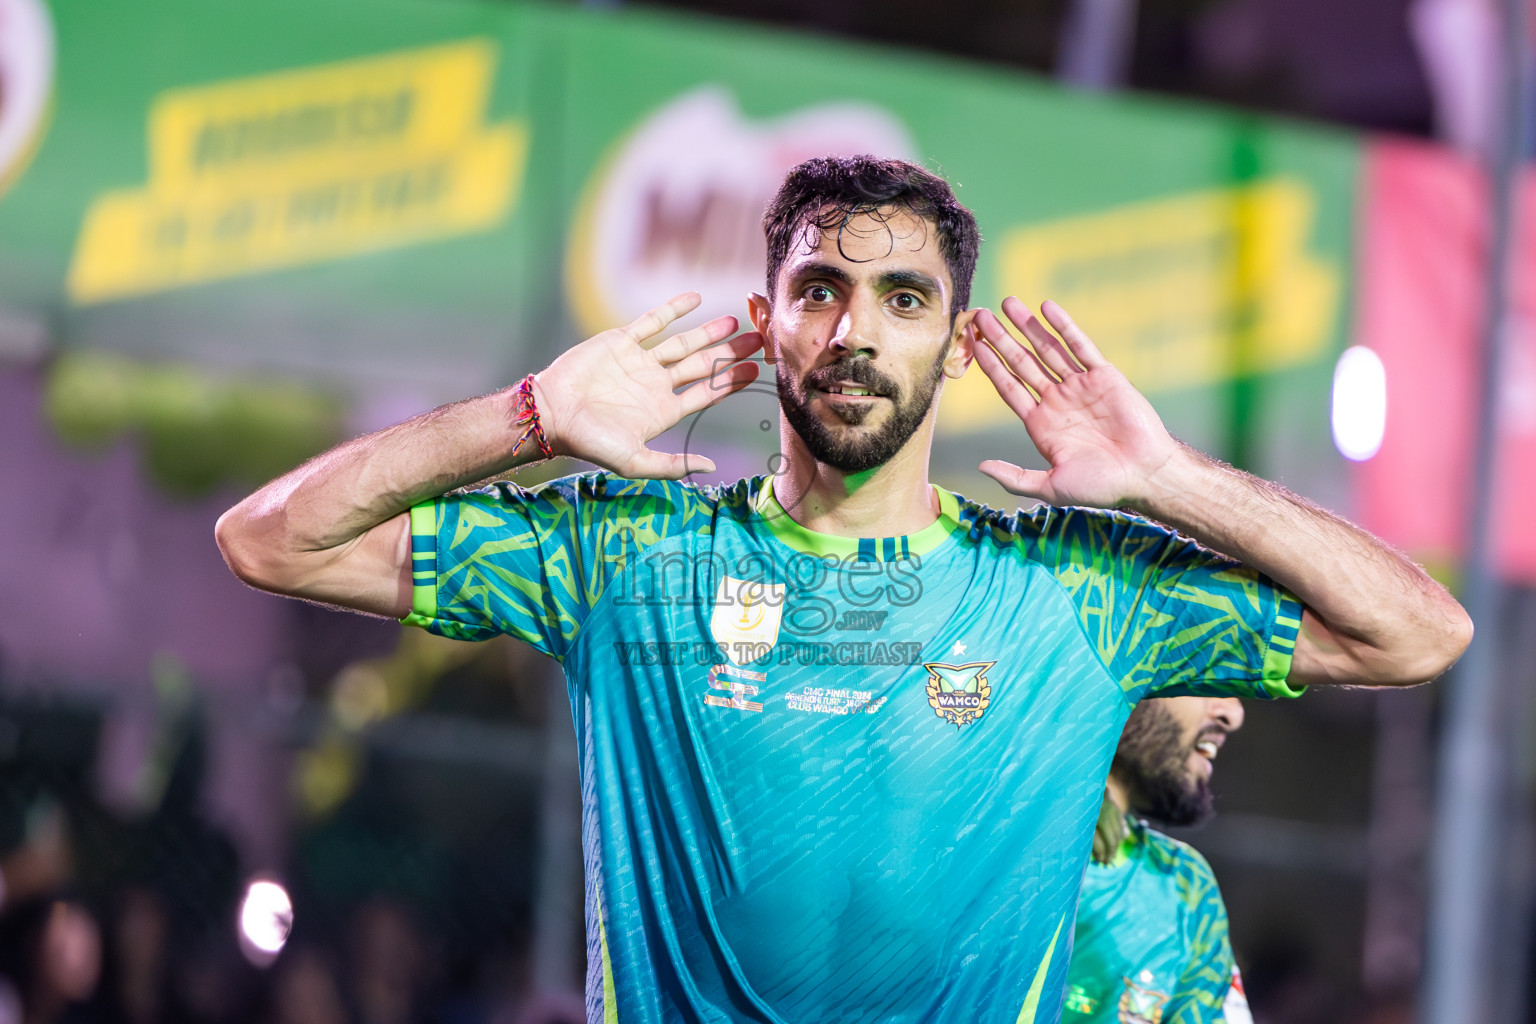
[(1165, 615), (531, 562), (1202, 990)]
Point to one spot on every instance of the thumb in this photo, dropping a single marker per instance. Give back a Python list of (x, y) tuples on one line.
[(1028, 483), (649, 465)]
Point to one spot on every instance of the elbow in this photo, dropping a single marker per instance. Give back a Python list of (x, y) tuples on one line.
[(248, 558), (1439, 647), (1456, 639), (1406, 649)]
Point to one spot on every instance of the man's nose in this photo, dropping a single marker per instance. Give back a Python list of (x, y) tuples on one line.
[(856, 329), (1228, 711)]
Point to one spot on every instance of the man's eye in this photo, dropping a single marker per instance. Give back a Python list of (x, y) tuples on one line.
[(819, 293), (906, 300)]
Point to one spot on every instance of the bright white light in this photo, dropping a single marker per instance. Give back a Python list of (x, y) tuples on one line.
[(1359, 403), (266, 918)]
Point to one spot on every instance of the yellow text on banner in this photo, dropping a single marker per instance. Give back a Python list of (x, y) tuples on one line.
[(306, 165), (1178, 292)]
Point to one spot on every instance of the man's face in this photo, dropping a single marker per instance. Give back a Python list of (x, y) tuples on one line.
[(860, 330), (1166, 753)]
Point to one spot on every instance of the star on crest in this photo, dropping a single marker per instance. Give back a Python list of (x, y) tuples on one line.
[(957, 650)]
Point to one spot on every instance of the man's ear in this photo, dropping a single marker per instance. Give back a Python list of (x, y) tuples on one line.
[(962, 344), (761, 315)]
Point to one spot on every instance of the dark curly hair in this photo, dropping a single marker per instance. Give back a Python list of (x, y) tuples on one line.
[(828, 192)]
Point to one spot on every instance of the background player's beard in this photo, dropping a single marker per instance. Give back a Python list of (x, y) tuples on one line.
[(857, 451), (1154, 759)]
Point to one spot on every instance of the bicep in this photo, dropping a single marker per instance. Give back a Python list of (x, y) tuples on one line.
[(370, 573), (1326, 655), (377, 575)]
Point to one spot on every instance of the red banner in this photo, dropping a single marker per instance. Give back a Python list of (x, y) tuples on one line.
[(1423, 248)]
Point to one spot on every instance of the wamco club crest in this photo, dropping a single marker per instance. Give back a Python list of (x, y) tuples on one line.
[(959, 693)]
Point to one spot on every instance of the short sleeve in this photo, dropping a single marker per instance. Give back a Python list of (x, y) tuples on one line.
[(532, 562), (1166, 616), (1201, 995)]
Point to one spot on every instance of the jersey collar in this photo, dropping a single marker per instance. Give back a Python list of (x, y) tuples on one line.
[(864, 549)]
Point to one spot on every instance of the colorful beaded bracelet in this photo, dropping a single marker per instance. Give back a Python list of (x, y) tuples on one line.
[(525, 414)]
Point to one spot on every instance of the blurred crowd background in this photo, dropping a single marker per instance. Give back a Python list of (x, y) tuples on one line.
[(233, 234)]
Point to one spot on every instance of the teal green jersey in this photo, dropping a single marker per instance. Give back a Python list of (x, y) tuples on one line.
[(833, 779), (1151, 944)]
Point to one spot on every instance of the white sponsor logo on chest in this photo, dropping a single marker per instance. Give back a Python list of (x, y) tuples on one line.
[(746, 617)]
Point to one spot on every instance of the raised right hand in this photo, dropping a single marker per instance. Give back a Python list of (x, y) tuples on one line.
[(604, 400)]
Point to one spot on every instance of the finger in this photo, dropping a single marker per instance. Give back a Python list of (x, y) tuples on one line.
[(715, 358), (1050, 348), (680, 345), (1024, 364), (716, 388), (1077, 340), (649, 465), (1012, 390), (1027, 483), (652, 323)]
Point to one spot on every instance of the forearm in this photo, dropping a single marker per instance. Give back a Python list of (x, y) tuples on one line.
[(354, 487), (1373, 615), (335, 530), (298, 528)]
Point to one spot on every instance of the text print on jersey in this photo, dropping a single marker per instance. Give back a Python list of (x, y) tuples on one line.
[(820, 594)]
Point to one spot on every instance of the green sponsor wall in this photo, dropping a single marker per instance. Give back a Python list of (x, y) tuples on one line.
[(1147, 216)]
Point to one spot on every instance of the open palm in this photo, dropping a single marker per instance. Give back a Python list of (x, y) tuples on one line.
[(606, 399), (1101, 437)]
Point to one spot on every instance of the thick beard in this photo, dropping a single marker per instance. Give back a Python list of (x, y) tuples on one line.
[(1154, 760), (857, 451)]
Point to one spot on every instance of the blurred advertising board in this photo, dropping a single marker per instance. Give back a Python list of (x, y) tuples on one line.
[(301, 167), (26, 70), (1421, 309), (1208, 252), (408, 201), (329, 191)]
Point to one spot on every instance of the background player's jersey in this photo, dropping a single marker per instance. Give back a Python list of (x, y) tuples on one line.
[(829, 779), (1151, 943)]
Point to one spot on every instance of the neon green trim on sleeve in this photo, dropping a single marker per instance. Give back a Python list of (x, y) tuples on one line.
[(1282, 648), (423, 565), (1032, 1000), (1277, 665)]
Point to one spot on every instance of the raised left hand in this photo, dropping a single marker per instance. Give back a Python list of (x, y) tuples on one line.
[(1102, 438)]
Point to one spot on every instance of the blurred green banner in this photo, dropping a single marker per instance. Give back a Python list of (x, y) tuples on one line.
[(332, 191), (417, 200), (1205, 251)]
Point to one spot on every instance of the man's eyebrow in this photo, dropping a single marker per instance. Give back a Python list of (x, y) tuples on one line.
[(819, 269), (911, 279), (892, 279)]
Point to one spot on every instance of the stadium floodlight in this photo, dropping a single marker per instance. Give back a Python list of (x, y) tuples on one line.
[(1359, 403), (266, 920)]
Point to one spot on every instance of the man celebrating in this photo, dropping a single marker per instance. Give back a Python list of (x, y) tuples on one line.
[(1151, 945), (786, 821)]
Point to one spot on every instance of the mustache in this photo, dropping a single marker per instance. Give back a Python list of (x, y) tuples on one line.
[(857, 370), (1209, 732)]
